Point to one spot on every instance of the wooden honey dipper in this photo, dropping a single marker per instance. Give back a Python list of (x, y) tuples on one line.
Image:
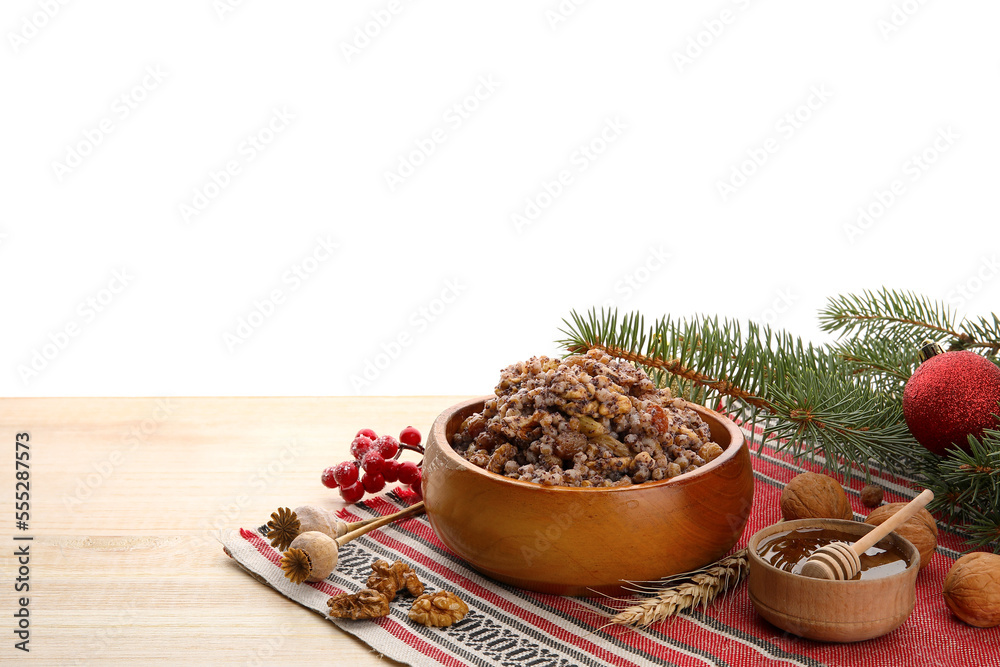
[(841, 561), (362, 527)]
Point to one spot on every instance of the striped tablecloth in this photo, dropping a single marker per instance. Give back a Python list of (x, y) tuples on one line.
[(510, 626)]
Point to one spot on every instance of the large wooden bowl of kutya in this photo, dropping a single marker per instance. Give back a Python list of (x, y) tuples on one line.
[(827, 610), (583, 541)]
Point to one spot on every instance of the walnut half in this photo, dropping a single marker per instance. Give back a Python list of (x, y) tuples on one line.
[(366, 603), (438, 610), (390, 579)]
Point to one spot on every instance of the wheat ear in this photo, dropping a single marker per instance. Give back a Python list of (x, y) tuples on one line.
[(700, 588)]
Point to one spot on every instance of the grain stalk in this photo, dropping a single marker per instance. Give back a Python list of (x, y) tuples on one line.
[(697, 589)]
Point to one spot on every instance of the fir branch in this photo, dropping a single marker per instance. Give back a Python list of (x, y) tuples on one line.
[(977, 471), (983, 527), (906, 318), (887, 362), (981, 333), (822, 407), (839, 404), (877, 313), (966, 485)]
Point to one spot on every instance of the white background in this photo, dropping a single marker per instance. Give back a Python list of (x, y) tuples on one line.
[(689, 92)]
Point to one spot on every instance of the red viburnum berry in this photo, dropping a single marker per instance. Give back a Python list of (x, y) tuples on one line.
[(373, 463), (408, 472), (391, 470), (387, 446), (328, 478), (410, 436), (373, 483), (346, 473), (353, 492), (416, 486), (360, 446)]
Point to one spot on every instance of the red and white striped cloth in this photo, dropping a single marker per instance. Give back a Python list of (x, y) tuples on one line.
[(510, 626)]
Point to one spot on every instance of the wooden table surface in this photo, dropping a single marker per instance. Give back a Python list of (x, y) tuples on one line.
[(127, 496)]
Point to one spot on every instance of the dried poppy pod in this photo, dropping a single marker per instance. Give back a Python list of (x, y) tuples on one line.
[(285, 525), (324, 521), (313, 555)]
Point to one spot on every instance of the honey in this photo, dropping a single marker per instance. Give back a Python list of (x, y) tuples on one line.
[(789, 550)]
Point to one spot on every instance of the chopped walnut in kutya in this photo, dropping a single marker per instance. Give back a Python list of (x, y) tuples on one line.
[(367, 603), (438, 610), (390, 579), (585, 421)]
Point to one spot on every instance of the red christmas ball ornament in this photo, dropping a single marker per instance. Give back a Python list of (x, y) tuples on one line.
[(951, 396)]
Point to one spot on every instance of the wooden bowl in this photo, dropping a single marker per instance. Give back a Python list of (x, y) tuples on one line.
[(832, 611), (582, 541)]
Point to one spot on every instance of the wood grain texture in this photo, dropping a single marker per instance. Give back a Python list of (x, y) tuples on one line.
[(574, 541), (127, 495)]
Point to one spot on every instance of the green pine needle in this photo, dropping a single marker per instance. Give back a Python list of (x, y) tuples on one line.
[(839, 404)]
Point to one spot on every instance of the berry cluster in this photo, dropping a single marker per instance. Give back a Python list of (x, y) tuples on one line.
[(376, 462)]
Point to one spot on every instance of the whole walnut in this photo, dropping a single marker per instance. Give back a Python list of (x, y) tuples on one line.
[(972, 589), (920, 529), (814, 496)]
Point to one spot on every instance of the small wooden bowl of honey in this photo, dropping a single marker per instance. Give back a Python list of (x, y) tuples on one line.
[(877, 601)]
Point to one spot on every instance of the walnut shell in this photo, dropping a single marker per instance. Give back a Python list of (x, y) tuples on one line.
[(814, 496), (972, 589), (871, 496), (920, 529)]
